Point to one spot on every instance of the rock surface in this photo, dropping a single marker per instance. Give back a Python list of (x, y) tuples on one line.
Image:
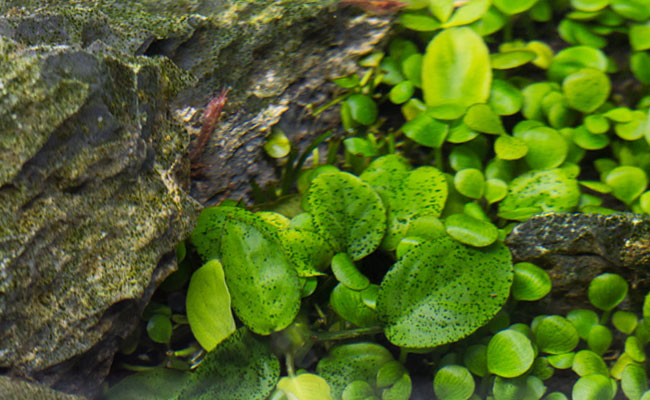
[(96, 100), (575, 248)]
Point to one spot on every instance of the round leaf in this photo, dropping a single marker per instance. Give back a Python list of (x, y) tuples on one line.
[(586, 362), (546, 148), (305, 387), (362, 108), (401, 92), (426, 130), (589, 141), (505, 98), (625, 321), (634, 381), (575, 58), (599, 338), (555, 335), (277, 145), (159, 328), (441, 291), (511, 59), (509, 354), (589, 5), (453, 382), (586, 89), (475, 358), (481, 118), (350, 306), (510, 148), (495, 190), (347, 212), (627, 182), (347, 273), (531, 283), (208, 306), (583, 320), (606, 291), (470, 183), (471, 231), (511, 7), (593, 387), (456, 69)]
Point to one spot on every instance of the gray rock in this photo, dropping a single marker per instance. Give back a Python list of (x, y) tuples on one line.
[(96, 101), (575, 248)]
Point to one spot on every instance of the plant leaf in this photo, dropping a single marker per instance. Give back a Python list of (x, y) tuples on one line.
[(208, 305), (456, 70), (442, 290), (305, 387)]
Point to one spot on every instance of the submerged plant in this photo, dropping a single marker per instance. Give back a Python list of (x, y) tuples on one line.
[(393, 243)]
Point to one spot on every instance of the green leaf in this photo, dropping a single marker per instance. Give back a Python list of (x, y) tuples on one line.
[(634, 349), (606, 291), (583, 320), (533, 96), (586, 89), (456, 70), (495, 190), (481, 118), (492, 21), (419, 22), (350, 306), (546, 148), (539, 191), (520, 388), (509, 354), (277, 145), (208, 233), (360, 147), (589, 5), (589, 141), (347, 212), (358, 390), (305, 387), (530, 283), (586, 362), (390, 373), (426, 130), (505, 98), (561, 361), (599, 338), (262, 282), (575, 58), (470, 182), (542, 368), (409, 195), (593, 387), (468, 13), (306, 250), (471, 231), (636, 10), (634, 381), (555, 335), (412, 67), (157, 384), (347, 273), (401, 92), (627, 182), (640, 66), (459, 132), (596, 124), (512, 7), (362, 108), (625, 321), (441, 9), (352, 362), (511, 59), (453, 382), (639, 37), (475, 358), (159, 328), (242, 367), (507, 147), (208, 306), (441, 291)]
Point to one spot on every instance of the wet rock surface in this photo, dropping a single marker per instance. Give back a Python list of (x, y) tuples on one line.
[(100, 103), (575, 248)]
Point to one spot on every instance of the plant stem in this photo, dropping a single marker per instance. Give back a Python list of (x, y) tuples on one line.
[(347, 334), (403, 353), (139, 368), (288, 359), (605, 317)]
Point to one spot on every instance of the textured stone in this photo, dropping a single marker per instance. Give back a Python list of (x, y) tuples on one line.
[(96, 100), (574, 248)]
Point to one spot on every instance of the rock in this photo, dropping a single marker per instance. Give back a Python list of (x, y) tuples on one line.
[(16, 389), (574, 248), (96, 100)]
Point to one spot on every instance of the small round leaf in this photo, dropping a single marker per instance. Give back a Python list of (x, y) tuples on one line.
[(586, 89), (159, 328), (593, 387), (470, 182), (627, 182), (509, 354), (531, 283), (586, 362), (583, 320), (453, 382), (606, 291), (555, 335), (599, 338), (471, 231)]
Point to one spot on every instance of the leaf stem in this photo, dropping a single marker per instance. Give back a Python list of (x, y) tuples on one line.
[(288, 359), (347, 334), (403, 353)]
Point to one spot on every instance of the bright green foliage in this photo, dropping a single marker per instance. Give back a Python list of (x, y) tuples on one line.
[(586, 362), (475, 359), (362, 109), (472, 231), (546, 148), (586, 89), (539, 191), (453, 382), (593, 387), (511, 59), (634, 381), (574, 58), (233, 371), (627, 182), (420, 298), (277, 145), (348, 213), (625, 321), (606, 291), (262, 282), (530, 282), (350, 306), (510, 148), (470, 183), (599, 338), (305, 387), (208, 305), (509, 354), (352, 362), (482, 118), (157, 384), (555, 335), (456, 70), (505, 98), (426, 130), (583, 320), (514, 6)]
